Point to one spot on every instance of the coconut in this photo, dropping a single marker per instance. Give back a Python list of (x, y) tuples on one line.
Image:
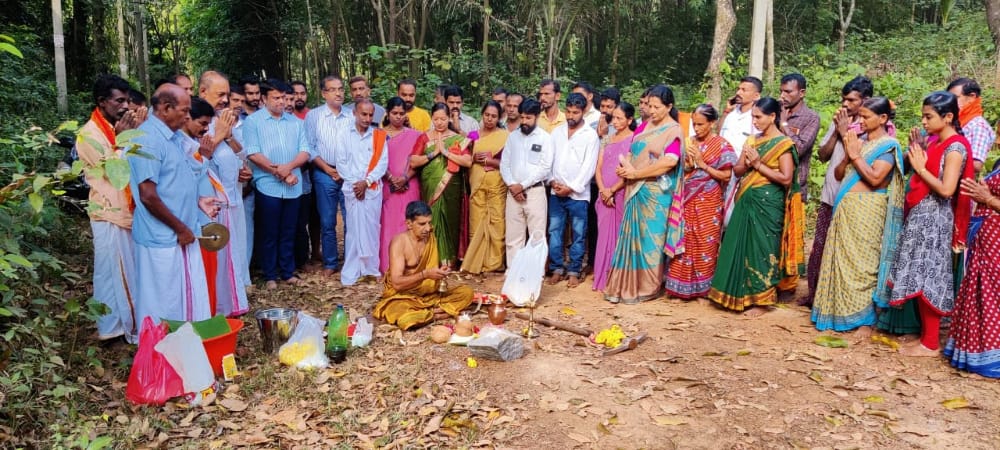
[(464, 328), (440, 334)]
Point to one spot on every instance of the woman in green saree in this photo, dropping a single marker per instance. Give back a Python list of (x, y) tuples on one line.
[(441, 180), (762, 249)]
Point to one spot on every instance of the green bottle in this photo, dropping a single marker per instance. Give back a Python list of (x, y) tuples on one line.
[(336, 335)]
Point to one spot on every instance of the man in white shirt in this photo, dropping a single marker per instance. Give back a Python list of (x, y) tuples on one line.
[(575, 145), (526, 163), (323, 124), (737, 126), (362, 159)]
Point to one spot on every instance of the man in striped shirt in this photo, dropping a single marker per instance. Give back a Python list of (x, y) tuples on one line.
[(323, 124), (975, 128), (276, 144)]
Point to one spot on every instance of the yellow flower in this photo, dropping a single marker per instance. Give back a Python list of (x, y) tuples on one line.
[(471, 362), (610, 337)]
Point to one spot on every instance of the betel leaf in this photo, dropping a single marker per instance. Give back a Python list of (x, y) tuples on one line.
[(117, 172), (831, 341)]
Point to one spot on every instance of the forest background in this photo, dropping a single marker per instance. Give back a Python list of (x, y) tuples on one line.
[(908, 47)]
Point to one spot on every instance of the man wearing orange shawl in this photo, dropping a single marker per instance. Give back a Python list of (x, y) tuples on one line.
[(412, 295), (974, 127), (110, 207), (362, 159)]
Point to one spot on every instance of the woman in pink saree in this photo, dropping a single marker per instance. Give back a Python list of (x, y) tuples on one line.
[(400, 187), (610, 205)]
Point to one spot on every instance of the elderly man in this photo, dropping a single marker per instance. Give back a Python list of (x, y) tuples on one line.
[(323, 126), (110, 208), (362, 159), (227, 163), (276, 144), (412, 297), (170, 282)]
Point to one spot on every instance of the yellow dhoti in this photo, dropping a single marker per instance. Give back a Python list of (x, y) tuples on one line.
[(415, 307)]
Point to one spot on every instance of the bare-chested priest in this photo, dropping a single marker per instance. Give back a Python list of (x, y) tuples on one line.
[(411, 297)]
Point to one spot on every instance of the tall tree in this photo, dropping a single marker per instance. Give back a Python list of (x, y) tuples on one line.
[(844, 20), (725, 21), (993, 20)]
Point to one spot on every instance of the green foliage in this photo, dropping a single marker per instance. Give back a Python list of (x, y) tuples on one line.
[(40, 306)]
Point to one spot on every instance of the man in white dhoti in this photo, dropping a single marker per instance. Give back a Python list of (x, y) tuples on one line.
[(228, 162), (362, 159), (737, 126), (170, 281), (110, 208), (226, 294)]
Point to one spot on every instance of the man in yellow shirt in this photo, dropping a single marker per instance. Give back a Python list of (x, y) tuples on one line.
[(420, 119), (548, 95)]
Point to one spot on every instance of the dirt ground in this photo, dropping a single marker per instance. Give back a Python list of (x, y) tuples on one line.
[(705, 379)]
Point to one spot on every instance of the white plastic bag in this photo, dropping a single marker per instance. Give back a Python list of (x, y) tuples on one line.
[(362, 333), (526, 272), (305, 349), (186, 354)]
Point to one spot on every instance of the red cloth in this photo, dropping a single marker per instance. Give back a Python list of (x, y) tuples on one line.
[(210, 260), (961, 203)]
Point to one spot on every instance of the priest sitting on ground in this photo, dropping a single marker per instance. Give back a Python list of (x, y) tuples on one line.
[(411, 297)]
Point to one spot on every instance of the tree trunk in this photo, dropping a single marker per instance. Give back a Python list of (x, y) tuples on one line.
[(758, 37), (411, 27), (122, 58), (100, 40), (845, 23), (379, 21), (58, 40), (530, 49), (487, 13), (725, 21), (393, 39), (770, 42), (993, 20), (332, 34), (614, 47), (424, 13)]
